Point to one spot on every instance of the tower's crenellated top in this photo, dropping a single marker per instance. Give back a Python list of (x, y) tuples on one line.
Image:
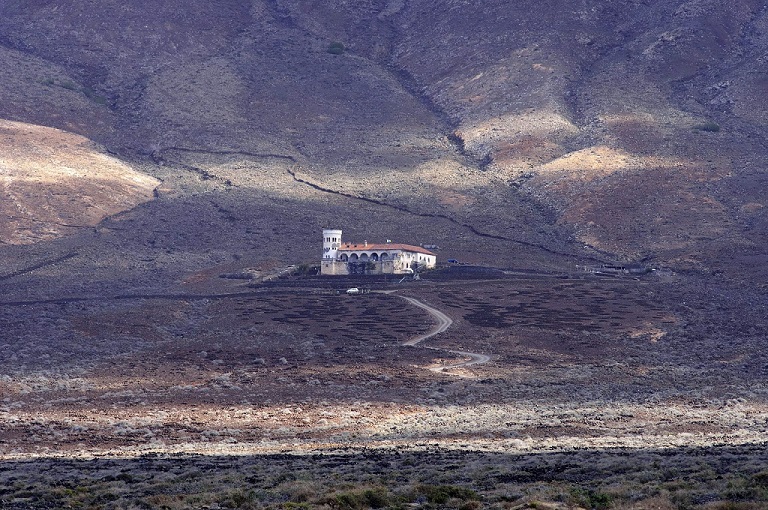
[(331, 242)]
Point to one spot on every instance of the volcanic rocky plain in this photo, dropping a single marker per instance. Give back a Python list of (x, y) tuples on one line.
[(595, 170)]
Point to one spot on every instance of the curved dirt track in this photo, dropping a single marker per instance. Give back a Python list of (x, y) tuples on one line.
[(443, 323)]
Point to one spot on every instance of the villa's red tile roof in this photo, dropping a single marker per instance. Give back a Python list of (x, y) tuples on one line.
[(383, 247)]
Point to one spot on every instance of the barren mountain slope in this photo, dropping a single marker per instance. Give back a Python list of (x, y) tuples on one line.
[(591, 121), (630, 118)]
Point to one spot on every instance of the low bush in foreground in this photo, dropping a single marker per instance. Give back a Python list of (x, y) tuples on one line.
[(710, 127), (718, 478), (336, 48)]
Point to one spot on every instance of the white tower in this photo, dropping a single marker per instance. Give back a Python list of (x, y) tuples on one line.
[(331, 243)]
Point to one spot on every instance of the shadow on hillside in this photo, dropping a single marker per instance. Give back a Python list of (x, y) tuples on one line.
[(670, 478)]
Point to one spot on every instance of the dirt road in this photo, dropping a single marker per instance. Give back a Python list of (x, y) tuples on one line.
[(443, 323)]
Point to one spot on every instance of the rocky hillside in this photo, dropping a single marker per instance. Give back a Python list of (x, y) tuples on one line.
[(610, 131)]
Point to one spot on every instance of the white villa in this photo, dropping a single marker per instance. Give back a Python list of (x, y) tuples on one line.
[(341, 258)]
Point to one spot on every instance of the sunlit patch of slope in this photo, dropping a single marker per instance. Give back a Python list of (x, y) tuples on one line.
[(637, 206), (54, 181)]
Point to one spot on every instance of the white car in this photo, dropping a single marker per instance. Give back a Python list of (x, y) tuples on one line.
[(353, 290)]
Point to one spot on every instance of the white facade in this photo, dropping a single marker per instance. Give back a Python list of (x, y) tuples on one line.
[(331, 243)]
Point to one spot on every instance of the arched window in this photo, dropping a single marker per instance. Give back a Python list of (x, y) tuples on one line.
[(374, 257), (384, 256), (353, 256), (344, 258), (364, 257)]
